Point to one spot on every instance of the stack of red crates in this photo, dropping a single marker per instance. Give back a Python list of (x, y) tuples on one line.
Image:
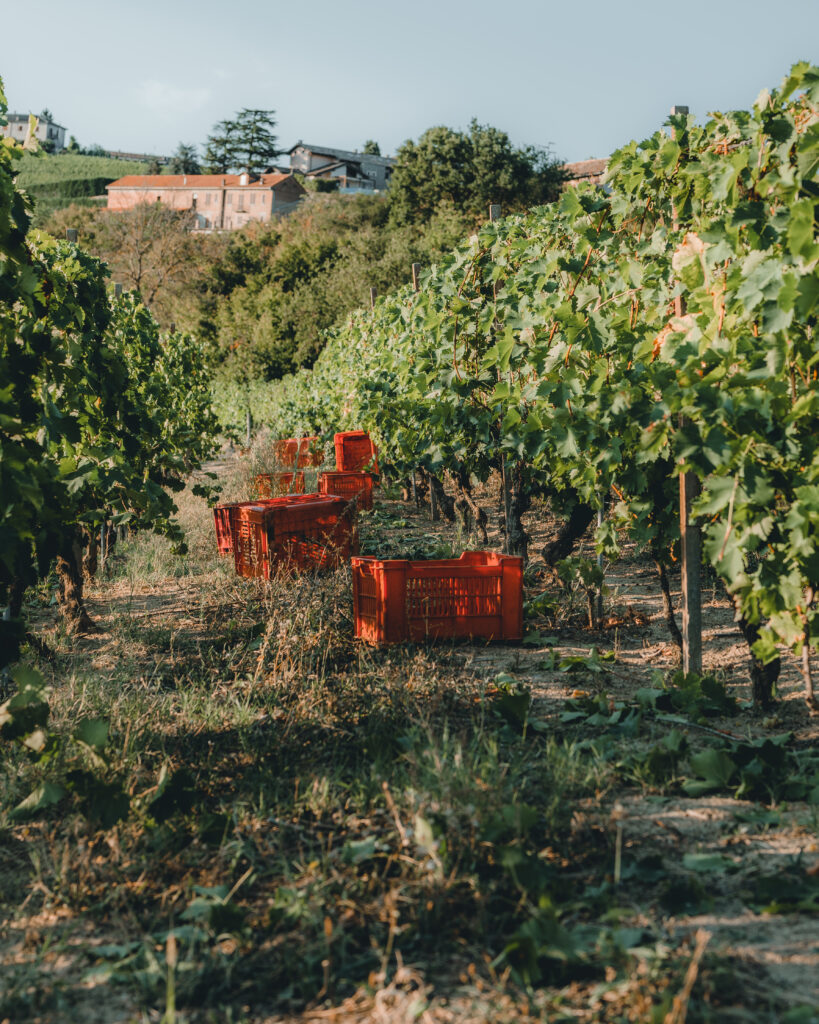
[(274, 485), (304, 531), (352, 486), (355, 453), (286, 452), (223, 516), (298, 452), (479, 594), (310, 454)]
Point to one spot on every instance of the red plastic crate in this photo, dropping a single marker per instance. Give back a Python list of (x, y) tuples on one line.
[(274, 485), (224, 538), (310, 454), (286, 452), (223, 516), (351, 486), (306, 531), (479, 594), (355, 450)]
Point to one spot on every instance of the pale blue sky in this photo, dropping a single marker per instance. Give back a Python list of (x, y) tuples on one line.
[(583, 78)]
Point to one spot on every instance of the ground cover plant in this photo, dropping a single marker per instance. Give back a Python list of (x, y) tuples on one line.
[(320, 830)]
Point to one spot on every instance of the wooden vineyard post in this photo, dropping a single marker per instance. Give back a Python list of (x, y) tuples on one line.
[(117, 289), (599, 595), (691, 554), (690, 537), (434, 514), (416, 270), (248, 416), (373, 294), (433, 498), (4, 672), (71, 235), (506, 483)]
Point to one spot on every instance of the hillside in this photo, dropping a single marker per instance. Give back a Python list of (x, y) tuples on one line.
[(56, 181)]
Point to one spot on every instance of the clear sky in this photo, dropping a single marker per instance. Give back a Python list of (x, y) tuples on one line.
[(580, 78)]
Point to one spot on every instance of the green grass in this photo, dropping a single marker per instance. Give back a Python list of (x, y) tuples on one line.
[(57, 181), (46, 169)]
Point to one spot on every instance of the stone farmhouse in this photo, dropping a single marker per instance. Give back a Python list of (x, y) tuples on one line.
[(218, 201), (355, 172), (47, 131)]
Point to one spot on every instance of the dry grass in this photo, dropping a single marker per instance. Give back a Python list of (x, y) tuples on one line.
[(339, 833)]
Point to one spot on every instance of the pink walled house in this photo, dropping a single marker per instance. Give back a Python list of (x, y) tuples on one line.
[(217, 200)]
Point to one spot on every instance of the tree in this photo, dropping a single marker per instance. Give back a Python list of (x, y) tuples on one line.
[(221, 148), (275, 288), (154, 167), (151, 251), (257, 145), (185, 160), (148, 249), (371, 148), (245, 143), (470, 170)]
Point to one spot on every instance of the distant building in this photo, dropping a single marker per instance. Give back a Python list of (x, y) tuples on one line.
[(585, 170), (145, 158), (355, 172), (47, 131), (217, 200)]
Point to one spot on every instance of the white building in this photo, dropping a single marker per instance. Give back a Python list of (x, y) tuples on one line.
[(48, 131), (354, 172)]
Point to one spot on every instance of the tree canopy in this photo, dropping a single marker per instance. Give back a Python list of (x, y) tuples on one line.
[(220, 148), (185, 160), (246, 142), (470, 170)]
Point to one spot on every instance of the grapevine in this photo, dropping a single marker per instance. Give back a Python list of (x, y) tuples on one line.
[(552, 341)]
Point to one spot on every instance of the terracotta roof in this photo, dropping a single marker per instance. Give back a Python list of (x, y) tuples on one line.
[(585, 168), (152, 181)]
